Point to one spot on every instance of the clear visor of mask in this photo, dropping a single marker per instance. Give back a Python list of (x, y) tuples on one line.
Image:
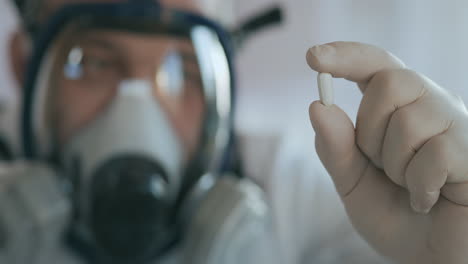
[(138, 98), (94, 63)]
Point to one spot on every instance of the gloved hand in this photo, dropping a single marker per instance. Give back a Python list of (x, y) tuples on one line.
[(402, 173)]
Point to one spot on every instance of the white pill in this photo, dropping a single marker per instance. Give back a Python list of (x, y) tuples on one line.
[(325, 85)]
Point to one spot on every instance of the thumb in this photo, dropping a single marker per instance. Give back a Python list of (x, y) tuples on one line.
[(336, 146)]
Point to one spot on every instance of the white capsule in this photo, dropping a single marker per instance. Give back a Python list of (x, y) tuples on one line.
[(325, 85)]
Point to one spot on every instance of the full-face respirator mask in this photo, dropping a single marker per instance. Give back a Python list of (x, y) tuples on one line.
[(133, 103)]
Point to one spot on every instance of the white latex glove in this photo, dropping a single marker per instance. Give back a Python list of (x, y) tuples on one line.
[(409, 147)]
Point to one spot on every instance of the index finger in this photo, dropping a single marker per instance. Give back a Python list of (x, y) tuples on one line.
[(357, 62)]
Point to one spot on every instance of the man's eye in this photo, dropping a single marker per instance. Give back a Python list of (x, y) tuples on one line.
[(95, 63), (83, 64)]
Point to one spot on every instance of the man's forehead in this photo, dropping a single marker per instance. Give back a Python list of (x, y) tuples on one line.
[(52, 5)]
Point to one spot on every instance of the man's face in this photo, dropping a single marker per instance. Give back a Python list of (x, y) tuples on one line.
[(109, 57)]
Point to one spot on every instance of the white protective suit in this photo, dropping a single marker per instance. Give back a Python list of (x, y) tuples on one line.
[(309, 217)]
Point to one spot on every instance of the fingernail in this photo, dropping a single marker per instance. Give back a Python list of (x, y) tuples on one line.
[(321, 50), (424, 203), (417, 206), (313, 113), (313, 126), (318, 56)]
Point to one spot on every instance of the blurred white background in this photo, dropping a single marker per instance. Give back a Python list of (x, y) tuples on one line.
[(276, 85), (8, 22), (8, 85)]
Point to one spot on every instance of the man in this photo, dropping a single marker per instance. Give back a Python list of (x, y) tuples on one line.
[(388, 160), (130, 101)]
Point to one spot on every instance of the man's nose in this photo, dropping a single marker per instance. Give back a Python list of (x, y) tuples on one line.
[(143, 68), (142, 72)]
